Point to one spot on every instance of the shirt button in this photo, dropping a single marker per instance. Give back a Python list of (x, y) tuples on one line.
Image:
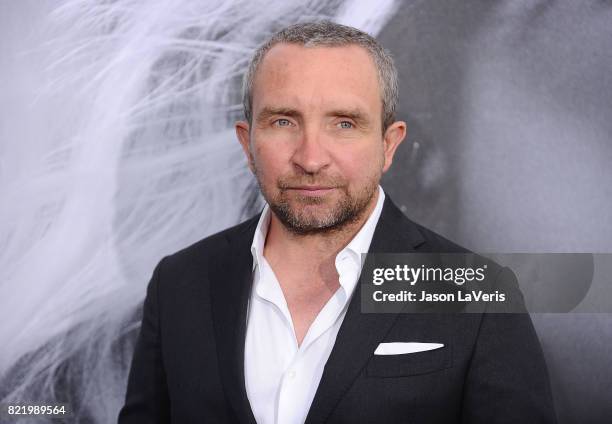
[(291, 374)]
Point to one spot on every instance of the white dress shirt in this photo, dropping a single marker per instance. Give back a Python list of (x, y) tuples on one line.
[(281, 377)]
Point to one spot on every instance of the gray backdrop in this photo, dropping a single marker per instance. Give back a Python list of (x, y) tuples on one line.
[(509, 122), (116, 148)]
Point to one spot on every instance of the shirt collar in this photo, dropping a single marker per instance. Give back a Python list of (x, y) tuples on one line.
[(358, 245), (362, 240)]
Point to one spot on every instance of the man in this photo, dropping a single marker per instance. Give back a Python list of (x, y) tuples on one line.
[(262, 322)]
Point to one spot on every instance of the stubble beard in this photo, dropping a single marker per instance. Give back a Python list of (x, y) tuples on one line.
[(347, 210)]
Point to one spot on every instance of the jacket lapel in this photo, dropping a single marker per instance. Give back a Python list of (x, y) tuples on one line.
[(360, 333), (230, 285)]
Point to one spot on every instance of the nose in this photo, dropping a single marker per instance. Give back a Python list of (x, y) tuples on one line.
[(311, 154)]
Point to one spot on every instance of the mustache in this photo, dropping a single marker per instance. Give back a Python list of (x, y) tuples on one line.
[(289, 182)]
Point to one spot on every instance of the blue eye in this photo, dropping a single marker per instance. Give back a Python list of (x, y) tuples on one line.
[(345, 125), (282, 122)]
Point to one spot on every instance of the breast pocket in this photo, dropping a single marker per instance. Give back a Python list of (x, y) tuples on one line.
[(408, 364)]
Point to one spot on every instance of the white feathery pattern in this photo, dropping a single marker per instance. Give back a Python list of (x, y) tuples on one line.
[(142, 160)]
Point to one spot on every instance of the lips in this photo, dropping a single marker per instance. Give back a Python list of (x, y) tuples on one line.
[(312, 190)]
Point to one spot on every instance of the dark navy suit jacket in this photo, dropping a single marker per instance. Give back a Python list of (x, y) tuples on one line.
[(188, 366)]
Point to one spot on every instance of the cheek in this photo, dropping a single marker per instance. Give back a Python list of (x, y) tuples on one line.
[(377, 159), (362, 164), (361, 172), (270, 161)]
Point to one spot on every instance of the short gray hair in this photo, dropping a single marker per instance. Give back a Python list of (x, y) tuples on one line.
[(326, 33)]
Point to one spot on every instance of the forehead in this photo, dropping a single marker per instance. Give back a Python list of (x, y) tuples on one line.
[(317, 77)]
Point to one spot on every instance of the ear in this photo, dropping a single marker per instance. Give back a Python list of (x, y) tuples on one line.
[(393, 137), (242, 132)]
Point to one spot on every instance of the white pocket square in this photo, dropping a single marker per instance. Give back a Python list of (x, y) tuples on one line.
[(399, 348)]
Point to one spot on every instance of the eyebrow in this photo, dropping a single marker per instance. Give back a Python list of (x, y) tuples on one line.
[(355, 114), (269, 111)]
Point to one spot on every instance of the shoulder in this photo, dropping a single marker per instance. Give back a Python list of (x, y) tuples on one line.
[(395, 226), (434, 242), (209, 250)]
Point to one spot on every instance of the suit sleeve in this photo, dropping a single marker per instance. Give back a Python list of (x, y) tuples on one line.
[(147, 399), (507, 380)]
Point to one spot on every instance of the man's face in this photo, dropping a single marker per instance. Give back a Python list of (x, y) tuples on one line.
[(315, 143)]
